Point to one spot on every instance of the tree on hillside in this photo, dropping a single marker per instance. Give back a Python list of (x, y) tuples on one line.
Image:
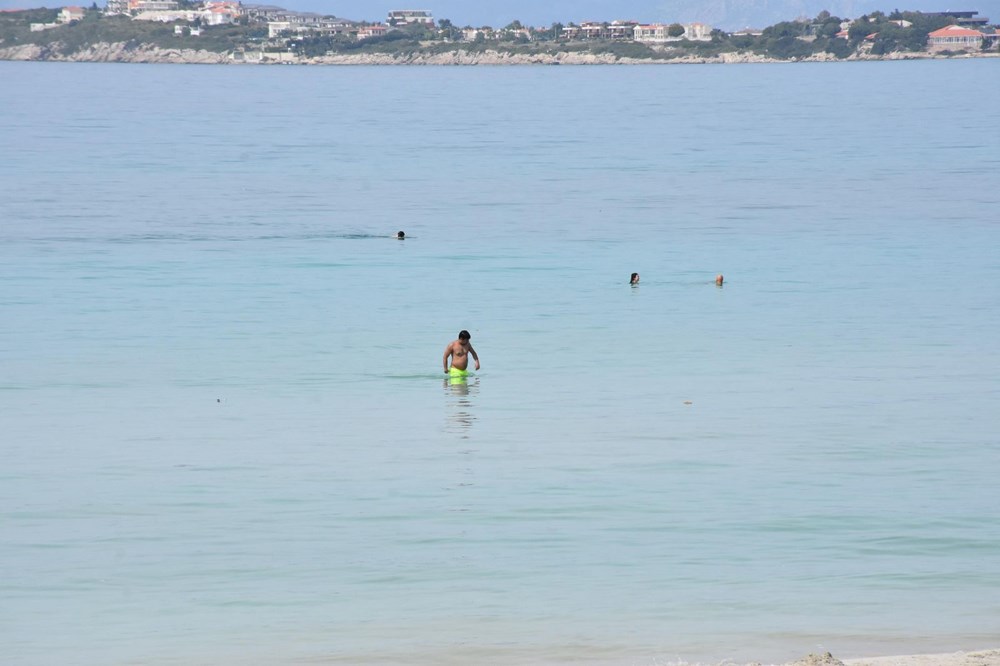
[(838, 47), (675, 30), (785, 29), (446, 28), (786, 47), (859, 30)]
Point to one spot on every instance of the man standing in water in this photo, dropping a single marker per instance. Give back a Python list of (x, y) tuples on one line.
[(459, 351)]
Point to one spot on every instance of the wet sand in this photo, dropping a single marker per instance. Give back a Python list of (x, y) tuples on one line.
[(976, 658)]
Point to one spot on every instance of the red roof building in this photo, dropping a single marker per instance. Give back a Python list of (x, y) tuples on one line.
[(954, 37)]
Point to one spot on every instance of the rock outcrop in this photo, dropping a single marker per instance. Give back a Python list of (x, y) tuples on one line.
[(118, 52), (127, 52)]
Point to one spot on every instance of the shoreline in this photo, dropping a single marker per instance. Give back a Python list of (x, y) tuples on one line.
[(123, 53), (986, 657)]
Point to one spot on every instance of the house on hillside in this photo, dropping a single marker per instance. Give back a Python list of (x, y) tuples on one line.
[(698, 32), (368, 31), (408, 16), (472, 34), (65, 17), (70, 14), (261, 13), (220, 13), (954, 38), (616, 30), (116, 7), (138, 6), (653, 33), (316, 26), (658, 33)]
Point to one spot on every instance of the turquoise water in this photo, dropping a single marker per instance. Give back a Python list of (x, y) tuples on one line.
[(227, 437)]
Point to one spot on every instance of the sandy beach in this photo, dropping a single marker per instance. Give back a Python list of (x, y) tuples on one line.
[(977, 658)]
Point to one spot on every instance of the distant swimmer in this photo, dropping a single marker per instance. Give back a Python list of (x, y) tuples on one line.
[(400, 235), (718, 280), (635, 279), (459, 351)]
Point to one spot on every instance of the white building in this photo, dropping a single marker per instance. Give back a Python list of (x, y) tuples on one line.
[(954, 37), (315, 27), (137, 6), (659, 33), (69, 14), (167, 16), (65, 17), (472, 34), (116, 7), (220, 13), (368, 31), (408, 16)]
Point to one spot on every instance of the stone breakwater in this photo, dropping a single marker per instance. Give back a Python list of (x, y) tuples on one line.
[(124, 52)]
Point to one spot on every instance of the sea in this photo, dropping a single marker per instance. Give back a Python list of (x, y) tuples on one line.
[(227, 437)]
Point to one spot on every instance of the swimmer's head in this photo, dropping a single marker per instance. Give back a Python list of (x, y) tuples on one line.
[(718, 279), (464, 336), (400, 235), (634, 279)]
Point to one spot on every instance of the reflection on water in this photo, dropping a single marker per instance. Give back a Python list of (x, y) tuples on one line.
[(461, 392)]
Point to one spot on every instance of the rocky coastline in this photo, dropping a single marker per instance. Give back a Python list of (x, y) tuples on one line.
[(128, 53)]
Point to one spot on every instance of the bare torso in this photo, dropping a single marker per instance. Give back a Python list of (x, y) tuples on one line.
[(460, 355)]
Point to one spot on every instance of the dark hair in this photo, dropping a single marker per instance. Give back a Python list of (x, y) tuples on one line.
[(400, 235), (634, 277), (463, 335)]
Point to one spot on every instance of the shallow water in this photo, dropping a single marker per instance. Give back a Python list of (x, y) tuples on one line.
[(227, 436)]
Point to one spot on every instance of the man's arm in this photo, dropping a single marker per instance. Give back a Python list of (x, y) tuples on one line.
[(447, 353), (475, 356)]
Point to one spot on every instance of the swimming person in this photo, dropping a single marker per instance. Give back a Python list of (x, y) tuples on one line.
[(635, 279), (459, 351), (400, 235), (718, 280)]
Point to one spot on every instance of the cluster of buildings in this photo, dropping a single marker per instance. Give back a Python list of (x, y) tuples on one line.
[(284, 23), (969, 31), (211, 12)]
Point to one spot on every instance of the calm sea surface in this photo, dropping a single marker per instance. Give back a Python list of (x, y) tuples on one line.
[(226, 436)]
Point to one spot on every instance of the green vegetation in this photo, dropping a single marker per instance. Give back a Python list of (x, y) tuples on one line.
[(16, 26), (874, 33), (96, 28)]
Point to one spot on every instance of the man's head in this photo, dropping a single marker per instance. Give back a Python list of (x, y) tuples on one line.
[(400, 235), (463, 336)]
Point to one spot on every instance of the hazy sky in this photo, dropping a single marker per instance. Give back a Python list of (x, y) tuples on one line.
[(726, 14)]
